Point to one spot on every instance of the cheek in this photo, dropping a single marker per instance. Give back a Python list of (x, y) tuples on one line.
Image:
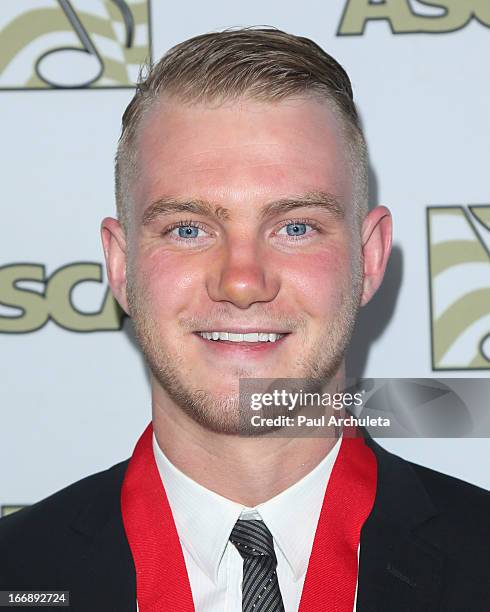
[(169, 283), (319, 281)]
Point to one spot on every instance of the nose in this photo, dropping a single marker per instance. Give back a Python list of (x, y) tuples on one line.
[(242, 276)]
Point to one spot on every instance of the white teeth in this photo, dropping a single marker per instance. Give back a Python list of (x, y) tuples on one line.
[(249, 337)]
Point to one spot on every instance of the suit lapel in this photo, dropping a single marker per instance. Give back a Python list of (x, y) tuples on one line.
[(109, 570), (103, 576), (397, 569)]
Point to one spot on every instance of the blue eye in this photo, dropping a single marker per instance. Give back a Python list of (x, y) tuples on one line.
[(295, 229), (299, 229), (188, 231)]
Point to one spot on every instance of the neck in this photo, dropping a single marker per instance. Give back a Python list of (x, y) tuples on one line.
[(246, 470)]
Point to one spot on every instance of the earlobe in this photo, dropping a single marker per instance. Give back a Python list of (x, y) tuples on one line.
[(376, 247), (114, 245)]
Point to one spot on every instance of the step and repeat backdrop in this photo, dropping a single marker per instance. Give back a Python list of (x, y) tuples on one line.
[(74, 394)]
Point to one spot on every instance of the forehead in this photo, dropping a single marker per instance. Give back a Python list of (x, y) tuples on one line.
[(240, 152)]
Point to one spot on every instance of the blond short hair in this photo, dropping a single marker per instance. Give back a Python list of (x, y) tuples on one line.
[(263, 64)]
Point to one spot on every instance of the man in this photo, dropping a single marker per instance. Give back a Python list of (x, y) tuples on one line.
[(243, 249)]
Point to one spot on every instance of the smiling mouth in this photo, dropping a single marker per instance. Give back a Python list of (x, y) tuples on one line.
[(240, 338)]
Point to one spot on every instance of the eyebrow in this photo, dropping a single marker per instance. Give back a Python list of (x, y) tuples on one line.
[(316, 199)]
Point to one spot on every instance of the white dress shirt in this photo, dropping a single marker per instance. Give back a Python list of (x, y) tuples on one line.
[(204, 521)]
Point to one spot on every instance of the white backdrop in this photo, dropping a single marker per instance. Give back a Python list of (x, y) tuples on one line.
[(75, 402)]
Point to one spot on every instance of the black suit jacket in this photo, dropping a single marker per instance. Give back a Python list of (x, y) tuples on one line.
[(424, 548)]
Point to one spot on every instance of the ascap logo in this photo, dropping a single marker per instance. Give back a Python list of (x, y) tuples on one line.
[(459, 263), (73, 43), (33, 309), (413, 16)]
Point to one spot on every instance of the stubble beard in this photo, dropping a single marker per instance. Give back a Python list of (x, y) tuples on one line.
[(223, 413)]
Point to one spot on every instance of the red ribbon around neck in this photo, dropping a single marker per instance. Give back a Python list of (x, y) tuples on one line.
[(162, 583)]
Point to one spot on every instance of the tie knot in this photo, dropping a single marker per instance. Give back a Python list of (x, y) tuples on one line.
[(252, 539)]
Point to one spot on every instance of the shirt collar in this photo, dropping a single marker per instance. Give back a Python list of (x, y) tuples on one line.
[(204, 519)]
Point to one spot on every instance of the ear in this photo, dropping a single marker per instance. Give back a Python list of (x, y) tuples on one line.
[(376, 248), (114, 245)]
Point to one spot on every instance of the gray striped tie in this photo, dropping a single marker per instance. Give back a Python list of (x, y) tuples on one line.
[(260, 587)]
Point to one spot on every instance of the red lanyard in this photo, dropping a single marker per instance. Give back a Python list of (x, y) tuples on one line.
[(162, 584)]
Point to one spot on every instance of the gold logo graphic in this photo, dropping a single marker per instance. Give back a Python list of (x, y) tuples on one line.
[(459, 264), (73, 43), (34, 308), (437, 16), (8, 509)]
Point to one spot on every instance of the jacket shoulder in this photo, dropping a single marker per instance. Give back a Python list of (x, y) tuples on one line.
[(45, 534), (447, 493), (457, 513), (451, 493), (463, 525), (62, 506)]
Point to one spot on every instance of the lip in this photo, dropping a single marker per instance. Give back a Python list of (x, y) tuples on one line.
[(245, 330)]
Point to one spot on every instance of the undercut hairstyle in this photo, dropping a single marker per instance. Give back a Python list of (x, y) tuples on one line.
[(257, 63)]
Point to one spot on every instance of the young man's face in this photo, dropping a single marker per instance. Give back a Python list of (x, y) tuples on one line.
[(247, 266)]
